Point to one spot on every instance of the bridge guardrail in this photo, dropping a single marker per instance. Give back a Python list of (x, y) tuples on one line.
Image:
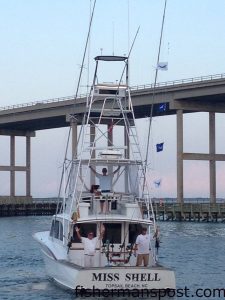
[(161, 201), (133, 88), (186, 201)]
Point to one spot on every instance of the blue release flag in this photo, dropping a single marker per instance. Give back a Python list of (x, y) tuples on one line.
[(163, 66), (159, 147), (162, 107), (157, 183)]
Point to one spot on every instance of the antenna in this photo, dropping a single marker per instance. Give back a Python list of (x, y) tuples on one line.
[(129, 53), (113, 38), (88, 60), (128, 25)]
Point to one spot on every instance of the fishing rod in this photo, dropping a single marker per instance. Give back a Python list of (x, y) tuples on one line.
[(128, 56), (87, 46), (63, 172), (78, 85), (130, 250), (157, 242), (85, 49)]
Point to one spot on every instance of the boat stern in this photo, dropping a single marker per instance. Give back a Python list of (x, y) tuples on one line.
[(126, 278)]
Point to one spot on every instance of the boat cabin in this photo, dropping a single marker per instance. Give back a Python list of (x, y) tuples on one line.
[(116, 246), (113, 248)]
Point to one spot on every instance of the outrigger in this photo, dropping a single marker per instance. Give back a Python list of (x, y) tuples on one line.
[(122, 209)]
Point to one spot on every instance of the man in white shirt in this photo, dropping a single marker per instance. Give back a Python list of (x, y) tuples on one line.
[(89, 245), (142, 247), (105, 182)]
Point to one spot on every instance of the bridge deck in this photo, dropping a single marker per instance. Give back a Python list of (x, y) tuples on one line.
[(205, 93)]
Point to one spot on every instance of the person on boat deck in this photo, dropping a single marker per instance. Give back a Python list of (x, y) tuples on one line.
[(105, 182), (89, 243), (142, 247)]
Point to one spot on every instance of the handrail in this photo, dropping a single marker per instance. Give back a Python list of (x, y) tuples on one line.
[(173, 201), (161, 201), (133, 88)]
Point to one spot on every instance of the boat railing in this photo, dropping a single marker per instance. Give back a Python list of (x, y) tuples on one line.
[(113, 202)]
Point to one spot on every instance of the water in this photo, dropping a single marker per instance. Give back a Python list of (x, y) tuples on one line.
[(194, 250)]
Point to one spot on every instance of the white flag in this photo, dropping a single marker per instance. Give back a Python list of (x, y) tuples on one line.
[(163, 66)]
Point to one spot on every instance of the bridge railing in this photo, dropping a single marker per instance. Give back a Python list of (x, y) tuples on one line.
[(180, 81), (133, 88), (47, 200), (34, 103), (154, 200), (186, 200)]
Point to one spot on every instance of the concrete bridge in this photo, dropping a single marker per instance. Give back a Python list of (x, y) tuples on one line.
[(201, 94)]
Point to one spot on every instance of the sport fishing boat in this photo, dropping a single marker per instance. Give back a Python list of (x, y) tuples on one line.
[(112, 210)]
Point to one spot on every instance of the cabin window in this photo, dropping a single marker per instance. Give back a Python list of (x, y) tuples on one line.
[(57, 230), (112, 233), (134, 231), (107, 92), (60, 231), (84, 229), (52, 228)]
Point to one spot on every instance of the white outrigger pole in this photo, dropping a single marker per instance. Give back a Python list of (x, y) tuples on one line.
[(153, 94), (152, 105)]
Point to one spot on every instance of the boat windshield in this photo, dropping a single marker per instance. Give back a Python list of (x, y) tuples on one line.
[(111, 58)]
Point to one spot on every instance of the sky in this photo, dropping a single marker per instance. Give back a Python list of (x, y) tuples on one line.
[(42, 43)]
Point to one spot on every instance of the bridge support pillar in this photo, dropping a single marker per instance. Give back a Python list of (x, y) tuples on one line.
[(180, 176), (12, 168), (212, 161), (28, 165), (212, 157)]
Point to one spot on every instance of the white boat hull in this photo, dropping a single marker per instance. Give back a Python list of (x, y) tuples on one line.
[(74, 277)]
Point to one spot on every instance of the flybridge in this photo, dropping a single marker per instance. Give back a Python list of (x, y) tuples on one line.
[(110, 89), (117, 89)]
